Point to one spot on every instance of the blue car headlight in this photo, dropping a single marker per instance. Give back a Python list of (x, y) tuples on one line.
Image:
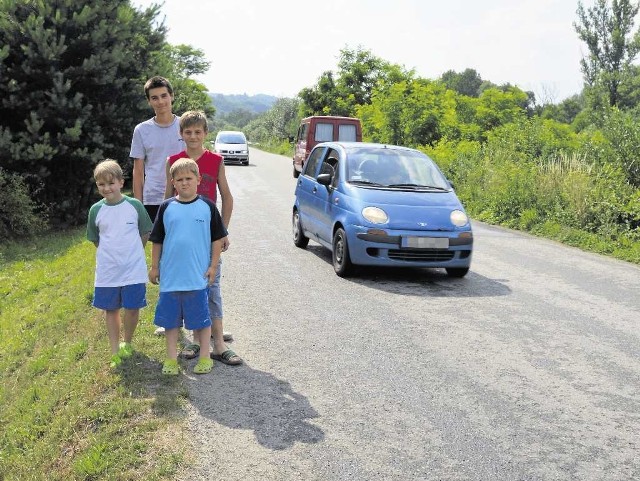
[(458, 218), (375, 215)]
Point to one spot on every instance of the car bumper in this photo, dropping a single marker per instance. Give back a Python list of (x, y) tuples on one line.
[(383, 247), (236, 158)]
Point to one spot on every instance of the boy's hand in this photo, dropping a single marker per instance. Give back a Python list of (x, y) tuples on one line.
[(154, 275), (225, 243), (211, 274)]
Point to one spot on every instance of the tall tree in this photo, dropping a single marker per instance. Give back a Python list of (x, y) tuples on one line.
[(70, 93), (179, 63), (612, 43), (359, 72), (466, 83)]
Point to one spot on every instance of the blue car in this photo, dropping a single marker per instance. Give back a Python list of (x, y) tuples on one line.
[(380, 205)]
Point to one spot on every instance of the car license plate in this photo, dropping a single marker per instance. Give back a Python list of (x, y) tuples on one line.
[(426, 242)]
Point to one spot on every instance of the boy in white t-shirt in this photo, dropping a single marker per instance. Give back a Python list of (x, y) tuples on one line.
[(119, 226)]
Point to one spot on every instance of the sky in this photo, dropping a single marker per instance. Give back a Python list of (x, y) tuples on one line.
[(279, 47)]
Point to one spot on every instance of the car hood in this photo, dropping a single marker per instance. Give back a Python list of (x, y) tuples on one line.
[(410, 210)]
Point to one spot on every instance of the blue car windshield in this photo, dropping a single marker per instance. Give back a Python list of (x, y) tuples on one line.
[(394, 168)]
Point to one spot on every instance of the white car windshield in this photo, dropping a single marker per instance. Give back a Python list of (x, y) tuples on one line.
[(231, 139)]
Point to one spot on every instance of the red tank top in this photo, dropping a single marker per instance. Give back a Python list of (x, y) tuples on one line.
[(209, 166)]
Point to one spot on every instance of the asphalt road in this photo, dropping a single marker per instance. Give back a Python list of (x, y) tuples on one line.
[(526, 369)]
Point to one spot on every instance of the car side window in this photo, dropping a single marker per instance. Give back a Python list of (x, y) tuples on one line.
[(330, 166), (311, 165), (302, 132)]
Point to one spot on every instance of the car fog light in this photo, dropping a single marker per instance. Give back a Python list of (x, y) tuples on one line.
[(375, 215), (459, 218)]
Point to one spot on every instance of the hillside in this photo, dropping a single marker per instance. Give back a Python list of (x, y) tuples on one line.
[(252, 103)]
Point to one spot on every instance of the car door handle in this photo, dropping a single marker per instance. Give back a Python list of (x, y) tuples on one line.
[(315, 190)]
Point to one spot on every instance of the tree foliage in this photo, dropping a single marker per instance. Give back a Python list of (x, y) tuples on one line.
[(612, 43), (71, 74), (359, 73), (467, 82), (179, 63), (278, 124)]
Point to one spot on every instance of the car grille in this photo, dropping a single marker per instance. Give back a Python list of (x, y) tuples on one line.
[(422, 255)]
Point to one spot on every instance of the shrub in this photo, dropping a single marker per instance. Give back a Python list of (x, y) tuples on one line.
[(20, 216)]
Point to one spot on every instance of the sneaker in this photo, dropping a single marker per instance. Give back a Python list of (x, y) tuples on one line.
[(115, 361), (159, 331), (125, 351)]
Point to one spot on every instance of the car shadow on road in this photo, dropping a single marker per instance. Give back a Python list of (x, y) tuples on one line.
[(421, 282), (241, 397)]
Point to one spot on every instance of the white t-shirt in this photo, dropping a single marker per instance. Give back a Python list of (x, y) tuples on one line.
[(154, 143), (120, 258)]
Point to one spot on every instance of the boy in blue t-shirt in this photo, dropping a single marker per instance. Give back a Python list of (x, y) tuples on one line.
[(187, 241), (119, 226)]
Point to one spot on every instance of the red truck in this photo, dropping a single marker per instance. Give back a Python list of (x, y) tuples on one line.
[(322, 128)]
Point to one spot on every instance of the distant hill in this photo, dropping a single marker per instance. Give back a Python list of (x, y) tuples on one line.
[(253, 103)]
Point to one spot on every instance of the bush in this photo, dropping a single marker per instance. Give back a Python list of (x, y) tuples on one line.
[(20, 216)]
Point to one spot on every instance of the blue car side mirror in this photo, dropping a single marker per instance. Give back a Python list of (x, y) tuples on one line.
[(324, 179)]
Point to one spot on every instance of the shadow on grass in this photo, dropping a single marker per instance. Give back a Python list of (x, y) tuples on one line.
[(142, 377)]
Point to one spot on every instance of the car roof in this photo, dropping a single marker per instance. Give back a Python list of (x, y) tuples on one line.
[(230, 132), (364, 145)]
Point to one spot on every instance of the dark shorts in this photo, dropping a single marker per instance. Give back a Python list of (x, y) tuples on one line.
[(183, 308), (128, 297), (152, 210)]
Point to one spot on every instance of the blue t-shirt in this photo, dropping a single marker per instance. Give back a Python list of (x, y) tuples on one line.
[(186, 231)]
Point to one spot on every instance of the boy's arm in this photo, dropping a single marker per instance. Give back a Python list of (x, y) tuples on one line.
[(225, 197), (154, 272), (138, 178), (168, 190), (216, 248), (227, 203)]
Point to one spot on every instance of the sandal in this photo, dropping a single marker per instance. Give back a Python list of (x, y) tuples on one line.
[(228, 357), (190, 351), (203, 366), (170, 367)]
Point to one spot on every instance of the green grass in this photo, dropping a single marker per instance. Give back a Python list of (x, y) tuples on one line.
[(64, 415)]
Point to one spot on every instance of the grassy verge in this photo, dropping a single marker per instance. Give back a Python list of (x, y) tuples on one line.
[(64, 415)]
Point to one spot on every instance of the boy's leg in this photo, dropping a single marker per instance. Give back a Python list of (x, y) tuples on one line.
[(219, 345), (112, 318), (202, 336), (133, 298), (171, 336), (130, 322), (215, 312)]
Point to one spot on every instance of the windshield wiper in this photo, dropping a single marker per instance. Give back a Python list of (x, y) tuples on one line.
[(363, 182), (419, 186)]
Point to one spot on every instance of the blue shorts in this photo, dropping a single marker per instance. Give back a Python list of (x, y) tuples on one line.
[(112, 298), (183, 308), (215, 297)]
